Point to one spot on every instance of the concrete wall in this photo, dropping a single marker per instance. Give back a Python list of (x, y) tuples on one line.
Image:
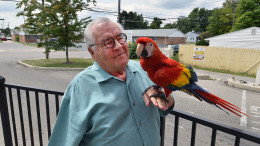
[(231, 59)]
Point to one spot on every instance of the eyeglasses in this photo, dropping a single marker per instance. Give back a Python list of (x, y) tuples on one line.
[(110, 42)]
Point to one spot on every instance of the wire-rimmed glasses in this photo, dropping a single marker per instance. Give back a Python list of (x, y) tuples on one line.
[(110, 42)]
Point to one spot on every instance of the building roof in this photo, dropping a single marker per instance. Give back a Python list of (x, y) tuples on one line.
[(192, 34), (245, 38), (157, 32), (242, 32)]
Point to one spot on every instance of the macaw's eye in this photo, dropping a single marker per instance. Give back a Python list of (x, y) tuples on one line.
[(151, 45)]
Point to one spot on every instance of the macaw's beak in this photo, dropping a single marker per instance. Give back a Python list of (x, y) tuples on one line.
[(141, 51)]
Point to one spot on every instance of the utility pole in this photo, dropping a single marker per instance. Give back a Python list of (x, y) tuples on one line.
[(119, 17), (234, 4), (3, 23), (182, 17)]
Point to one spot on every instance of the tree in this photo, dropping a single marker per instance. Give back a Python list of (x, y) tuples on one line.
[(220, 21), (205, 35), (214, 23), (156, 24), (183, 24), (248, 14), (194, 20), (6, 31), (204, 15), (55, 19), (132, 20), (168, 26)]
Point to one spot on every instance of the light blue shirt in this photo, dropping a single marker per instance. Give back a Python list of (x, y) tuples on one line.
[(99, 109)]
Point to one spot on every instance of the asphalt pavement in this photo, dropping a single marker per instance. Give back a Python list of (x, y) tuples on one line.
[(58, 80)]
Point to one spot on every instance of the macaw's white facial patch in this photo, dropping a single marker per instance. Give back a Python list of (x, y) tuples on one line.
[(149, 48)]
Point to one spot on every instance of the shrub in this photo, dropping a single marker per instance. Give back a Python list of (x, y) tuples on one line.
[(132, 51), (17, 38), (175, 57), (202, 43)]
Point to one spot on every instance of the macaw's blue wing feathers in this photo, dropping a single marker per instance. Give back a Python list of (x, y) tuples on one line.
[(193, 74)]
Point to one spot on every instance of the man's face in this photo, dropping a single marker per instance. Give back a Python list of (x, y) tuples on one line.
[(110, 59)]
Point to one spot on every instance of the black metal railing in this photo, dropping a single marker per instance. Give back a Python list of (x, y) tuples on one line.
[(214, 126), (28, 114)]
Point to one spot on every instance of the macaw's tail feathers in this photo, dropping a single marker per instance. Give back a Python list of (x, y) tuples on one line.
[(202, 94), (221, 102)]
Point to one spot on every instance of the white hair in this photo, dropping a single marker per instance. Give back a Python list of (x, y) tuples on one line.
[(88, 34)]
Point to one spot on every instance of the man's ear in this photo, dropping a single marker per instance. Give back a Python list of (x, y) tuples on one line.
[(91, 52)]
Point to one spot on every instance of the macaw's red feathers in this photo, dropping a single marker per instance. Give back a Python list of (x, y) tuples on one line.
[(172, 75), (218, 101)]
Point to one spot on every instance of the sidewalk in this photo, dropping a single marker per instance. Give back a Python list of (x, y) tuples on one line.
[(242, 82)]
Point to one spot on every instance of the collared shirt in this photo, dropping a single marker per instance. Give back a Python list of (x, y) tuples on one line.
[(99, 109)]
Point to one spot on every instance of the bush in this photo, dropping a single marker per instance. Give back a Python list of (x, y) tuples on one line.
[(175, 57), (202, 43), (132, 51), (17, 38), (205, 35)]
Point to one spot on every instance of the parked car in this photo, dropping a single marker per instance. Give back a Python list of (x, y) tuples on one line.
[(9, 38), (175, 48), (3, 39)]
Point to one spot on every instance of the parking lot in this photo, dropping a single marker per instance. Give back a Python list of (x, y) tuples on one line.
[(11, 52)]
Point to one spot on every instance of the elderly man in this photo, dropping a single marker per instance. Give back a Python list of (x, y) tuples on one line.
[(103, 105)]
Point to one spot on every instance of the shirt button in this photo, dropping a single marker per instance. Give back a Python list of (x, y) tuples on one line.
[(134, 104), (140, 123)]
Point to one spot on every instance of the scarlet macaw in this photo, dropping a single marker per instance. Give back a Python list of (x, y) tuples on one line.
[(172, 75)]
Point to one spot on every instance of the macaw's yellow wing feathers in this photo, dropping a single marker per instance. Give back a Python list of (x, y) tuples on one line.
[(183, 79)]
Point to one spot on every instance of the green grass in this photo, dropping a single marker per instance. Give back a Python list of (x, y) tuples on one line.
[(225, 71), (61, 62), (83, 63), (29, 44)]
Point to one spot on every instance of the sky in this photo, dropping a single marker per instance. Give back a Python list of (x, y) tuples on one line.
[(164, 9)]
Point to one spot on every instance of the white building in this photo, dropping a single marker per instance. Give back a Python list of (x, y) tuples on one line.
[(245, 38), (192, 37)]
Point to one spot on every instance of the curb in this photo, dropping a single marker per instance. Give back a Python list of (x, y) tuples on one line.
[(203, 77), (49, 68), (231, 82), (245, 86)]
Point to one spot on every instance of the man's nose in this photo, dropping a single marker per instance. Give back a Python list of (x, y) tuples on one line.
[(117, 45)]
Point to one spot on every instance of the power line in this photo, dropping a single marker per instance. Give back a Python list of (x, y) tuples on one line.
[(112, 12)]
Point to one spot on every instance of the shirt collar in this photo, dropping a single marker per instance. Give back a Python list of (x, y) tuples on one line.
[(102, 75)]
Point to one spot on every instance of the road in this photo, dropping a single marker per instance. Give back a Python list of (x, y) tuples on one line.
[(11, 52)]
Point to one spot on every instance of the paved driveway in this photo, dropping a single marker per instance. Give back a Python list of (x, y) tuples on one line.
[(11, 52)]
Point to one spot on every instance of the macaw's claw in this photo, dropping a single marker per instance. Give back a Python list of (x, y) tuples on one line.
[(157, 92), (160, 95)]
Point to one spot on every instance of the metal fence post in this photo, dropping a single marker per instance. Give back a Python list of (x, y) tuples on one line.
[(162, 130), (4, 114)]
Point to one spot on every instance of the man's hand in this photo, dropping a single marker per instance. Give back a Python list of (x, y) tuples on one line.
[(156, 95)]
